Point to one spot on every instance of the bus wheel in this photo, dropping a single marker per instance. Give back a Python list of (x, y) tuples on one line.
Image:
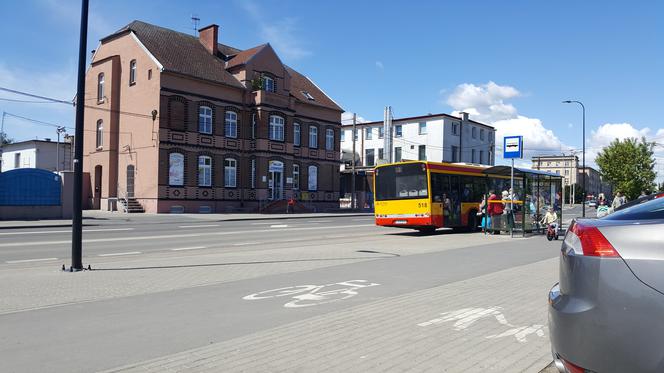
[(427, 230)]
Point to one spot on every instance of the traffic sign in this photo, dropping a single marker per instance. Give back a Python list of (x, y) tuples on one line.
[(512, 147)]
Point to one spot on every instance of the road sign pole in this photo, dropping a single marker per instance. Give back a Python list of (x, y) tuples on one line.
[(511, 218)]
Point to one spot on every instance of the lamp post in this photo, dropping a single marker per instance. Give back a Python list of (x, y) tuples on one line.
[(583, 200)]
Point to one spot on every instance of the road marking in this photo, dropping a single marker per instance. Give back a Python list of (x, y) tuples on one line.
[(199, 226), (268, 223), (118, 254), (365, 219), (320, 221), (279, 226), (67, 231), (184, 235), (246, 243), (30, 260), (189, 248)]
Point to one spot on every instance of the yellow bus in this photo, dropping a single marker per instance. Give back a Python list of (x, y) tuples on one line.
[(429, 195)]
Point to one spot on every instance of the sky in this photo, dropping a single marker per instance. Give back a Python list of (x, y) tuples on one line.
[(507, 63)]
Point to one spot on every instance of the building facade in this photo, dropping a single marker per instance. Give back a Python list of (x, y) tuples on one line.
[(186, 124), (568, 167), (44, 154), (434, 137)]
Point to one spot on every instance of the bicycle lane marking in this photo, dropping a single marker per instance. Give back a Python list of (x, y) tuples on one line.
[(313, 295)]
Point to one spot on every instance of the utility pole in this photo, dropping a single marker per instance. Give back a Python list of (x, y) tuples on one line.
[(77, 216), (352, 179)]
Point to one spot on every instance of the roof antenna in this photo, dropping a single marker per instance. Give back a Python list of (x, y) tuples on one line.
[(195, 20)]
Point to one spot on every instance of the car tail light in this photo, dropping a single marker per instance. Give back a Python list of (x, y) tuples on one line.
[(571, 368), (589, 241)]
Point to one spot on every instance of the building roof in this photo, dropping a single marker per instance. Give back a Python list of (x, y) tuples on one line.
[(22, 143), (428, 116), (185, 54), (518, 172)]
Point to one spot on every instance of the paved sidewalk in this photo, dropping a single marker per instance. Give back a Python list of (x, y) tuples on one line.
[(489, 323), (97, 218)]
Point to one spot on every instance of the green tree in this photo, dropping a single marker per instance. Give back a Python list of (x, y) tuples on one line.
[(629, 165)]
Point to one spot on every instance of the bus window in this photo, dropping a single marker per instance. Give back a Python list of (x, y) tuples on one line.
[(439, 186), (407, 181)]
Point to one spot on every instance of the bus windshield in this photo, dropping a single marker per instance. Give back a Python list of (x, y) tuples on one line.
[(402, 181)]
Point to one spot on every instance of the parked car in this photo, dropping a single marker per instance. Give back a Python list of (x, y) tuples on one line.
[(605, 314), (592, 203), (640, 200)]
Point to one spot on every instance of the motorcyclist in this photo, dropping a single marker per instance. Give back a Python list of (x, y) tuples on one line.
[(551, 218)]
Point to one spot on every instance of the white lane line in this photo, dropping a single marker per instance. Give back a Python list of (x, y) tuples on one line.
[(247, 243), (268, 223), (318, 221), (279, 226), (199, 226), (30, 260), (189, 248), (118, 254), (184, 235), (67, 231)]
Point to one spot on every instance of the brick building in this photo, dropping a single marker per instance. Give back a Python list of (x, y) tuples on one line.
[(183, 123)]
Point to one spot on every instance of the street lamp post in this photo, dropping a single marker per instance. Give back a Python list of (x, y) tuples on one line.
[(583, 200)]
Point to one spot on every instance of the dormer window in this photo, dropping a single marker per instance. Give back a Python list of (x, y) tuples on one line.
[(268, 84), (308, 96)]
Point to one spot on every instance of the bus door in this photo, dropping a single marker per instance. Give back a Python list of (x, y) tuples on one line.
[(440, 184), (454, 213)]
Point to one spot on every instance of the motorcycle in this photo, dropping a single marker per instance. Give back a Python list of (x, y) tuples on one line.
[(551, 232)]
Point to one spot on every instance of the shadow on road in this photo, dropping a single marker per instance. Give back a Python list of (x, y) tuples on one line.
[(381, 256)]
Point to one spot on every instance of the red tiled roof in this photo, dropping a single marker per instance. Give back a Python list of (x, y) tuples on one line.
[(242, 57)]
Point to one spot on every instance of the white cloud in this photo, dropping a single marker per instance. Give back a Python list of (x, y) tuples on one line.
[(347, 117), (281, 34), (488, 103), (380, 65)]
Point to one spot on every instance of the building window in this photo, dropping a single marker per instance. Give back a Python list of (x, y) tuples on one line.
[(422, 153), (100, 133), (205, 119), (381, 132), (491, 135), (132, 72), (231, 124), (296, 134), (296, 177), (204, 171), (268, 84), (149, 74), (481, 156), (253, 125), (422, 128), (397, 154), (313, 137), (276, 128), (474, 132), (343, 135), (455, 153), (329, 139), (313, 178), (230, 168), (17, 160), (455, 129), (472, 155), (253, 173), (381, 153), (176, 169), (100, 87), (369, 159), (566, 172), (397, 130), (482, 134), (368, 133)]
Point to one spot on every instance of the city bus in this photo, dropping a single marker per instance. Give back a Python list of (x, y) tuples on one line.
[(429, 195)]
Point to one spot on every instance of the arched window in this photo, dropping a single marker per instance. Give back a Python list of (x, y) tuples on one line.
[(132, 72), (296, 177), (313, 178), (100, 133), (204, 171), (276, 128), (296, 134), (100, 87), (205, 119), (313, 137), (176, 169), (231, 124), (230, 172), (329, 139)]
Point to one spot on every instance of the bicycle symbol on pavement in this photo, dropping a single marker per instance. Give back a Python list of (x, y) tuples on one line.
[(313, 295)]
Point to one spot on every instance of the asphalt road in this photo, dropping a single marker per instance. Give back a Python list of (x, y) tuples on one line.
[(112, 332)]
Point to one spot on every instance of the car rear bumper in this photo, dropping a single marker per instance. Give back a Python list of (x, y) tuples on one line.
[(603, 319)]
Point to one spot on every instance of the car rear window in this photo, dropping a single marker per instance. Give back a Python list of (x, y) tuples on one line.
[(649, 210)]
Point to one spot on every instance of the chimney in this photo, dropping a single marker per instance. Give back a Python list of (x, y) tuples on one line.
[(208, 37), (464, 116)]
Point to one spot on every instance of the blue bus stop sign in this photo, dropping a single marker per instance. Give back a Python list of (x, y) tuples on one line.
[(512, 147)]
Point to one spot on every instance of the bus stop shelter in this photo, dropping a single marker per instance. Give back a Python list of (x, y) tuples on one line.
[(534, 192)]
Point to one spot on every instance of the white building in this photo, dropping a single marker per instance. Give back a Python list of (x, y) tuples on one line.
[(434, 137), (37, 154)]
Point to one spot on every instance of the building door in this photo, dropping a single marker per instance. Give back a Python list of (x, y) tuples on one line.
[(96, 196), (130, 181), (276, 182)]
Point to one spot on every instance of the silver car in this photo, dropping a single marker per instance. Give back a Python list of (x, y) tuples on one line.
[(607, 312)]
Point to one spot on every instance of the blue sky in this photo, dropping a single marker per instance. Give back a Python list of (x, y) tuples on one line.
[(509, 63)]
